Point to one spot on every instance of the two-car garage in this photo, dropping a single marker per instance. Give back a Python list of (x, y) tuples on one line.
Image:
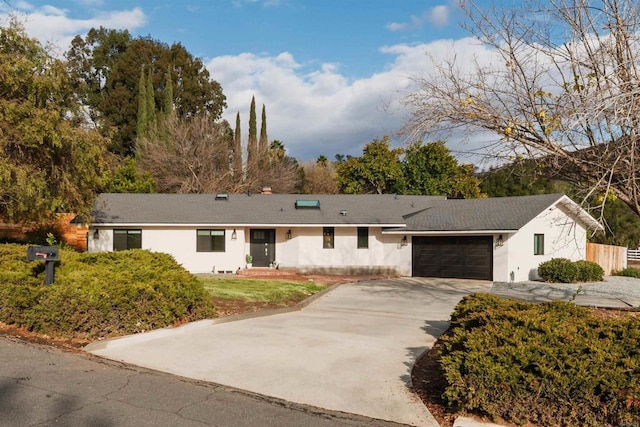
[(462, 257)]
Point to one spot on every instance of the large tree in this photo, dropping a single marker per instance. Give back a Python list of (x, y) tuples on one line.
[(431, 169), (378, 171), (252, 142), (237, 151), (50, 160), (558, 81), (263, 142), (105, 66)]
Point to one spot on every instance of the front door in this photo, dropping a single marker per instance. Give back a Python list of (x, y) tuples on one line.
[(262, 247)]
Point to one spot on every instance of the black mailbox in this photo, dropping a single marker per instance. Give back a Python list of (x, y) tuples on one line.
[(42, 253), (48, 254)]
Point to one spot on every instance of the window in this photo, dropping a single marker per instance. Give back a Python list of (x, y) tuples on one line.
[(127, 239), (363, 237), (210, 241), (327, 237), (538, 244)]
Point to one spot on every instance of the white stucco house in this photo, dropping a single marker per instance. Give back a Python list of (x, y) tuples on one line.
[(500, 239)]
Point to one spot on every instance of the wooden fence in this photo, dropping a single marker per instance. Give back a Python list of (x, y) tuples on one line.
[(74, 235), (610, 258)]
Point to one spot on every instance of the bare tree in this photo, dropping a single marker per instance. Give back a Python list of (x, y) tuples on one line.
[(188, 155), (559, 82), (274, 169), (319, 177)]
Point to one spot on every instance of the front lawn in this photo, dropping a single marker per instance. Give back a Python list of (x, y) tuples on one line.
[(258, 290)]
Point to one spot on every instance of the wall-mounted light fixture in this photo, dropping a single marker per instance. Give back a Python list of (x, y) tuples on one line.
[(403, 241), (234, 235), (499, 242), (96, 234), (287, 235)]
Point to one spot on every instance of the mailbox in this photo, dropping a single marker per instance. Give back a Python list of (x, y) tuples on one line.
[(48, 254), (42, 253)]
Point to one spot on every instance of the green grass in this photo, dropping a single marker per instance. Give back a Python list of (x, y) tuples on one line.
[(258, 290)]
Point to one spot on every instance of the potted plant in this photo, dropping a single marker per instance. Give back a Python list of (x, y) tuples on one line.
[(249, 259)]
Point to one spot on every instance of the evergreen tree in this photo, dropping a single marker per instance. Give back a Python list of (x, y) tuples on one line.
[(142, 106), (252, 144), (151, 103), (237, 151), (168, 92), (263, 143)]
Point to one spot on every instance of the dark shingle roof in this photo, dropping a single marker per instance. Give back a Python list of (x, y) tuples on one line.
[(418, 213), (499, 213), (385, 209)]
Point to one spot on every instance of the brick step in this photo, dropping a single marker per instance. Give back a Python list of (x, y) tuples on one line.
[(265, 271)]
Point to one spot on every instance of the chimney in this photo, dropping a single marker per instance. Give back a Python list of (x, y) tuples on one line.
[(266, 190)]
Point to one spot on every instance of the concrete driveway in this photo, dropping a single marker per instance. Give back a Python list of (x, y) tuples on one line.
[(351, 350)]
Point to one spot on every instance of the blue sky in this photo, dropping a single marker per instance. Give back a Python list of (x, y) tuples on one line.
[(332, 73)]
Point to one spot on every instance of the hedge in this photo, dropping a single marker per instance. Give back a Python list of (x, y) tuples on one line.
[(563, 270), (98, 295), (544, 364)]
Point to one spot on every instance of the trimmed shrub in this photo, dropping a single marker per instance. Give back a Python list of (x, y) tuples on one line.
[(558, 270), (543, 364), (99, 294), (628, 272), (563, 270), (589, 271)]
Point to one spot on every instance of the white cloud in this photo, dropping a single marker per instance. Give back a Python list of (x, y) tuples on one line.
[(321, 111), (437, 15), (90, 3), (53, 25)]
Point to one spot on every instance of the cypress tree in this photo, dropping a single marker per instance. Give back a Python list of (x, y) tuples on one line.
[(237, 150), (142, 106), (252, 144), (168, 93), (263, 145), (151, 104)]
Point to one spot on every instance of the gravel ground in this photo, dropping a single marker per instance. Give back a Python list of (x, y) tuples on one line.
[(614, 286)]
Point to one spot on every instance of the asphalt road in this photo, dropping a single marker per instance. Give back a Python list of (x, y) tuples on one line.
[(42, 386)]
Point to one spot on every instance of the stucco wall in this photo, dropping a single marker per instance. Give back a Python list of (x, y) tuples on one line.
[(304, 249), (181, 243), (563, 238)]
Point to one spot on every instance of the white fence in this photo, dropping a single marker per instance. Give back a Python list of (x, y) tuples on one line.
[(633, 254)]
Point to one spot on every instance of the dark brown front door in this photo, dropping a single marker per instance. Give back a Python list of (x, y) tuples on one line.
[(462, 257), (262, 246)]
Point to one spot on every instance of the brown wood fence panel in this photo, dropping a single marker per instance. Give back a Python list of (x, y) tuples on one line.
[(610, 258), (74, 235)]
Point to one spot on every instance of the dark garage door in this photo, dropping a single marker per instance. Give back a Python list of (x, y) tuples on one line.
[(461, 257)]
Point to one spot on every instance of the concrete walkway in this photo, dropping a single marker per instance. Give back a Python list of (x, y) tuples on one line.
[(351, 350)]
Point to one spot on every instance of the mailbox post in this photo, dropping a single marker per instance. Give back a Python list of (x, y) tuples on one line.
[(48, 254)]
